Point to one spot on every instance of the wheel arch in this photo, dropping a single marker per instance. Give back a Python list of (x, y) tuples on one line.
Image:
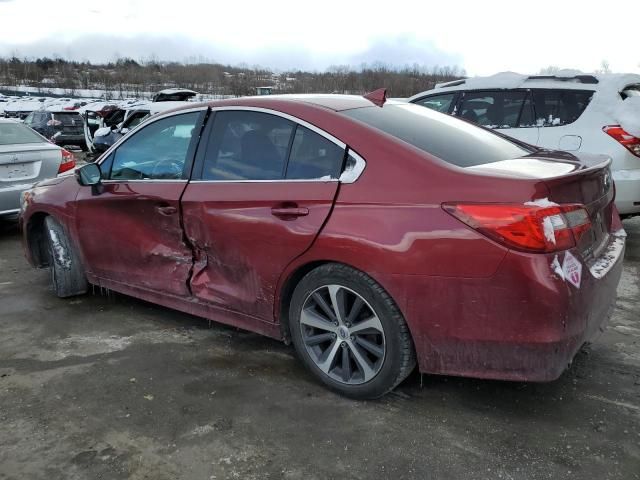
[(35, 236), (293, 277)]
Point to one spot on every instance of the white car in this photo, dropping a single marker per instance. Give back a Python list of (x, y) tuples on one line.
[(570, 111)]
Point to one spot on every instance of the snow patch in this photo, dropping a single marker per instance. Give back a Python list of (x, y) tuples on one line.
[(609, 257), (557, 268), (61, 257), (627, 114), (549, 232), (541, 202)]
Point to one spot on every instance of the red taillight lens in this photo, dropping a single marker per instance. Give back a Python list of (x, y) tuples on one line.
[(68, 161), (627, 140), (525, 227)]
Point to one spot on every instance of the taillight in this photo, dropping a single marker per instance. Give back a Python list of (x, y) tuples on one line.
[(526, 227), (627, 140), (68, 161)]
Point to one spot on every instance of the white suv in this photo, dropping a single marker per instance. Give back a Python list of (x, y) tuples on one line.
[(576, 112)]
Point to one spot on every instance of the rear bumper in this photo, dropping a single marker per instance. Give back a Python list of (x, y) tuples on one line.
[(627, 184), (525, 323)]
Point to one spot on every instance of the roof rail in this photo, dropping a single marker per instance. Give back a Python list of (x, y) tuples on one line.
[(588, 79)]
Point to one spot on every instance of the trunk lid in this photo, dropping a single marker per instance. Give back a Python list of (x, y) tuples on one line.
[(569, 179), (28, 163)]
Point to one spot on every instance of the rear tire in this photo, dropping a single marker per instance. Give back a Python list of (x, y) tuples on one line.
[(67, 273), (363, 351)]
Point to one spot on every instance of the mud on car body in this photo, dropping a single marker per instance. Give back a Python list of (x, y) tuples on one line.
[(372, 234)]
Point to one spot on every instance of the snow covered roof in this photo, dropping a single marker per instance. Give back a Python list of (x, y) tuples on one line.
[(564, 78)]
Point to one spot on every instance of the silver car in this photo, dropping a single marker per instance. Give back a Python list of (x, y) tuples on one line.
[(26, 157)]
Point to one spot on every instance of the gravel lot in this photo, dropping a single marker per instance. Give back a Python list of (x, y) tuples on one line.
[(109, 387)]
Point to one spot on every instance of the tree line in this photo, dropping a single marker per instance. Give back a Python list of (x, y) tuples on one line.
[(128, 77)]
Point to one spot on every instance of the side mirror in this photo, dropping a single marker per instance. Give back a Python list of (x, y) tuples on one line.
[(89, 175)]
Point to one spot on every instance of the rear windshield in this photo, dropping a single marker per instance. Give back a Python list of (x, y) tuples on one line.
[(452, 140), (68, 119), (15, 133)]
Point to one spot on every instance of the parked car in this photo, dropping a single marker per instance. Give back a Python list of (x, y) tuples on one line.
[(370, 233), (106, 136), (25, 158), (571, 112), (62, 127), (174, 95)]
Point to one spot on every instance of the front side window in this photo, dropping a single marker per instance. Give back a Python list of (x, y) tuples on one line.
[(157, 151), (439, 103), (313, 156), (559, 107), (246, 145), (494, 109)]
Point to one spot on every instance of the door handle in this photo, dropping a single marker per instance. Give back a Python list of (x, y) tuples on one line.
[(166, 209), (290, 212)]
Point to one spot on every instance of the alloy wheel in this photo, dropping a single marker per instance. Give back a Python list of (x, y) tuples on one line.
[(342, 334)]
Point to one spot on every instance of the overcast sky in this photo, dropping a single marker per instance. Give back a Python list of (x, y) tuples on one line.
[(483, 37)]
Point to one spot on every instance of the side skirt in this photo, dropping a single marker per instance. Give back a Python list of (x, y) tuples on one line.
[(193, 306)]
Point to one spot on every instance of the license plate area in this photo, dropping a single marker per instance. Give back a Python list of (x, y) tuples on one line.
[(17, 171)]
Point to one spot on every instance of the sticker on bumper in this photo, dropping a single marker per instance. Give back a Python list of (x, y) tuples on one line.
[(572, 269)]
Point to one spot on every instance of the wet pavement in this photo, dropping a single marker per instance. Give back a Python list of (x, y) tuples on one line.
[(106, 386)]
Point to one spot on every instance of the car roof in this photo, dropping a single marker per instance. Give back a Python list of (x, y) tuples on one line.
[(335, 102), (563, 79)]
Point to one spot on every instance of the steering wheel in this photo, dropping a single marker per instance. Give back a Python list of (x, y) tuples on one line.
[(167, 168)]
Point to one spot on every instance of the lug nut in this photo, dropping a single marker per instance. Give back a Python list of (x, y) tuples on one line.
[(343, 345)]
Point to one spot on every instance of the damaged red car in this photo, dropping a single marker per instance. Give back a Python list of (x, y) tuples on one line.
[(374, 235)]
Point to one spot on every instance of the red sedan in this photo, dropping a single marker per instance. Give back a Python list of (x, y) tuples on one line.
[(372, 234)]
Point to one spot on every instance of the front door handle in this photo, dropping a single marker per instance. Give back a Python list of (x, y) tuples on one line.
[(290, 212), (166, 209)]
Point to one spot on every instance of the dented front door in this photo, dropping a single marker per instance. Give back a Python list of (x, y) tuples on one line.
[(129, 226), (131, 234)]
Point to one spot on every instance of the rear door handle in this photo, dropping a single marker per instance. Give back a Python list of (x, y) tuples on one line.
[(290, 212), (166, 209)]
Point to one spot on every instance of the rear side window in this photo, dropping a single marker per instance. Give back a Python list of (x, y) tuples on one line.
[(313, 156), (497, 109), (559, 107), (454, 141), (66, 119), (439, 103), (631, 91), (247, 145), (15, 133)]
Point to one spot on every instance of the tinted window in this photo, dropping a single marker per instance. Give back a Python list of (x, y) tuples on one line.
[(559, 107), (446, 137), (157, 151), (499, 109), (439, 103), (313, 156), (14, 133), (135, 119), (247, 146)]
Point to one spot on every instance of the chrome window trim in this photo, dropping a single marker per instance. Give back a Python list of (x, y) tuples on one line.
[(280, 180), (348, 176), (291, 118), (149, 180)]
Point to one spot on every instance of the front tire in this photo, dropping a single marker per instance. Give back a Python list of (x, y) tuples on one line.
[(349, 332), (67, 273)]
